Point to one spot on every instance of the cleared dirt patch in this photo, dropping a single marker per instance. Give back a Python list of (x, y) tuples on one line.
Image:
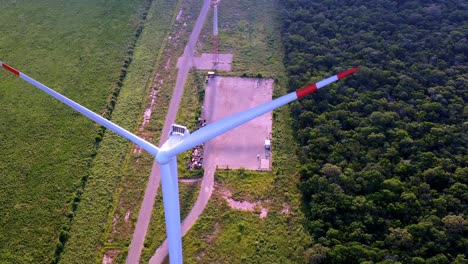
[(110, 256), (242, 147), (190, 181), (243, 205)]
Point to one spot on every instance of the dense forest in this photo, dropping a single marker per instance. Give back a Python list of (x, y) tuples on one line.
[(384, 157)]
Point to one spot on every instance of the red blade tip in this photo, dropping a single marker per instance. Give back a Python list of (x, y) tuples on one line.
[(11, 69), (346, 73)]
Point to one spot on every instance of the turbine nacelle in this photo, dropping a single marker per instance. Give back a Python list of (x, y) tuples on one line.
[(176, 136)]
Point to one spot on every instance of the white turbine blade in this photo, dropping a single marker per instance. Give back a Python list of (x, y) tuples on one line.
[(221, 126), (86, 112), (170, 192)]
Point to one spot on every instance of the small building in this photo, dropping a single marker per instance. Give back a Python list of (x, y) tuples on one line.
[(267, 144)]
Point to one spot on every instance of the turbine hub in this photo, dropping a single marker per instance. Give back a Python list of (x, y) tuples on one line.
[(176, 135)]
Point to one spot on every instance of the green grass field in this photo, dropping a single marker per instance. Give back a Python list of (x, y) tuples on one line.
[(78, 49)]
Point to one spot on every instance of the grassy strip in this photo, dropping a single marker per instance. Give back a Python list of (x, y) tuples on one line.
[(188, 115), (90, 222), (64, 232), (47, 148)]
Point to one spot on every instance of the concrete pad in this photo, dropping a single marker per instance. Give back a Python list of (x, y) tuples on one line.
[(206, 62), (242, 147)]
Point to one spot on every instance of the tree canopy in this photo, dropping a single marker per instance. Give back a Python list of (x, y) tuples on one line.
[(384, 153)]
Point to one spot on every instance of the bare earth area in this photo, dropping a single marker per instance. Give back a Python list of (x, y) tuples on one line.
[(242, 147), (244, 205)]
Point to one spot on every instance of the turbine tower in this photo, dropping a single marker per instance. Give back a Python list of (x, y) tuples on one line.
[(215, 34), (181, 140)]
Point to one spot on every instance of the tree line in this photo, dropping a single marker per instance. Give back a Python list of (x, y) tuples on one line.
[(384, 153)]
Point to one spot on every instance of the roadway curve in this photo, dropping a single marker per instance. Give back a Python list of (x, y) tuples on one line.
[(144, 217)]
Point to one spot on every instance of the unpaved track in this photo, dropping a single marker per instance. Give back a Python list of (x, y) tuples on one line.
[(144, 217)]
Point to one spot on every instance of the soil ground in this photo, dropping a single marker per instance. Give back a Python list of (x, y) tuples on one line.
[(242, 147)]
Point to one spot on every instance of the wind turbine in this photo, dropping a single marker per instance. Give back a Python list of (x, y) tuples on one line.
[(181, 140)]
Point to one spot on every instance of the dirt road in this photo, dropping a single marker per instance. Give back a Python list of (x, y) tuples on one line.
[(184, 65)]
